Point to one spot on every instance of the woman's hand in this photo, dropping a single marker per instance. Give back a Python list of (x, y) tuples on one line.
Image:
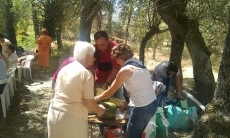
[(100, 111), (123, 106), (105, 86), (96, 99)]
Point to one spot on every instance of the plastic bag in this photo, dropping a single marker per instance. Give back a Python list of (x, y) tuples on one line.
[(158, 87), (150, 130), (182, 119), (162, 123)]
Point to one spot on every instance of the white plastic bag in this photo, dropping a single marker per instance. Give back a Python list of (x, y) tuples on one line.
[(158, 87), (150, 130)]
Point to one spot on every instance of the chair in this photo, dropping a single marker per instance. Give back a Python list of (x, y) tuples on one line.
[(5, 98), (14, 66), (25, 65), (12, 85)]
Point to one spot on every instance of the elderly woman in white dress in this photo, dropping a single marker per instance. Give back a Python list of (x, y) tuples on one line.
[(73, 97)]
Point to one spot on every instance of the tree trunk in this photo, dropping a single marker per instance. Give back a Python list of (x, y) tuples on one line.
[(215, 122), (59, 38), (202, 68), (50, 21), (54, 18), (35, 20), (177, 47), (10, 31), (176, 18), (88, 13), (153, 30), (154, 52), (85, 30)]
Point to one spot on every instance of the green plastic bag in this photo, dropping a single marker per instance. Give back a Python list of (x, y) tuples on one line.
[(162, 123)]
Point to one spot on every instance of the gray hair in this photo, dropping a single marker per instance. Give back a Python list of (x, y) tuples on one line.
[(82, 49)]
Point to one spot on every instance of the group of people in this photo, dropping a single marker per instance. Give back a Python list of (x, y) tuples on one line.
[(8, 57), (107, 65), (7, 51), (110, 66)]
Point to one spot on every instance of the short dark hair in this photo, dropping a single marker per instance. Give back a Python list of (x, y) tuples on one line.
[(2, 35), (11, 47), (100, 34), (172, 67)]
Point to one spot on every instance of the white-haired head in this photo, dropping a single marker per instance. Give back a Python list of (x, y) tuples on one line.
[(82, 49)]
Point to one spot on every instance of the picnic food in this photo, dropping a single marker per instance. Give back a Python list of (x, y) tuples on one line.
[(110, 110), (99, 91), (116, 101)]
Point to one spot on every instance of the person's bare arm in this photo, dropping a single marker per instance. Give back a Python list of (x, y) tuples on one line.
[(158, 76), (121, 77), (123, 106), (92, 106), (178, 86), (110, 79)]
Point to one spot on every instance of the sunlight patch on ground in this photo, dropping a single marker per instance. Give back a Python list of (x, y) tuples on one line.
[(38, 85)]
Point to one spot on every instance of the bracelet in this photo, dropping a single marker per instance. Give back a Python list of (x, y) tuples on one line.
[(107, 83)]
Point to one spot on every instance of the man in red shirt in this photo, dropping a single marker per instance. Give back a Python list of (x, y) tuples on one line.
[(105, 69)]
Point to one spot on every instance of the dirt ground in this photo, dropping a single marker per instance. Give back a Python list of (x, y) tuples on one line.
[(27, 114)]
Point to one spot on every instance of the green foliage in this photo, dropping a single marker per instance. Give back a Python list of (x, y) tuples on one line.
[(118, 29), (2, 23), (212, 16), (26, 39), (23, 24), (143, 17), (66, 50)]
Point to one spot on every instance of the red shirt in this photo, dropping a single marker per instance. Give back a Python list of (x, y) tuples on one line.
[(105, 64)]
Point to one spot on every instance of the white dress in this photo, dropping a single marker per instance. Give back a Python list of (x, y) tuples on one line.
[(67, 115)]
